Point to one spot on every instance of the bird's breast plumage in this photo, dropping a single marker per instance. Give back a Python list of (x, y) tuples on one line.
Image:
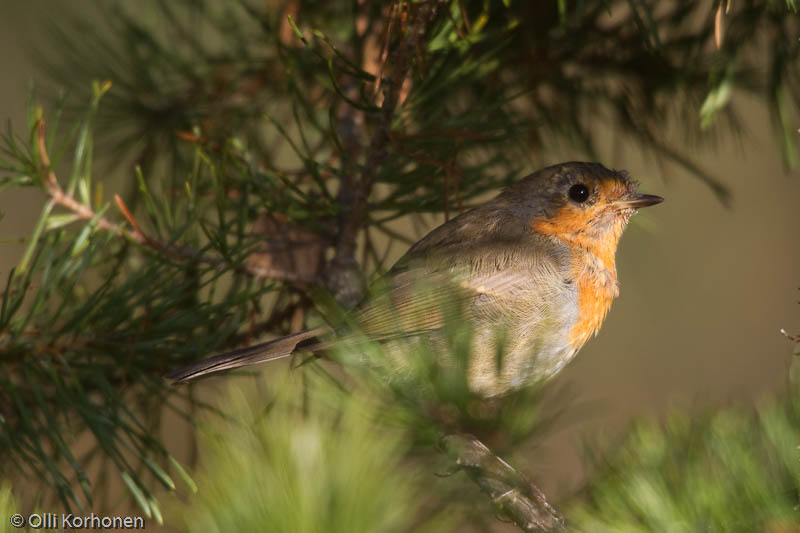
[(596, 286), (560, 298)]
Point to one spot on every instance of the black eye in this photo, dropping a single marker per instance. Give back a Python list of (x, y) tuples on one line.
[(579, 193)]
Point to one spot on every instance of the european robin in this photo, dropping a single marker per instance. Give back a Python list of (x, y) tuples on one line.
[(536, 263)]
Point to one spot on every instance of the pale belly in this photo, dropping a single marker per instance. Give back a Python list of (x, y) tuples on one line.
[(530, 356), (524, 347)]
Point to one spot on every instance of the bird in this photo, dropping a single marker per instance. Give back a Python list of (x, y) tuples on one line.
[(532, 270)]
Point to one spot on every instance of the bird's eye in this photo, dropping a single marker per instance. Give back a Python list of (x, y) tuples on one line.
[(579, 193)]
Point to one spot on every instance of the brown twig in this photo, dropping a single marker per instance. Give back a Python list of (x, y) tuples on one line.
[(465, 16), (513, 495), (67, 201)]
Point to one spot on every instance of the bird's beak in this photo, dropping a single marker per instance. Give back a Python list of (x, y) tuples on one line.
[(635, 201)]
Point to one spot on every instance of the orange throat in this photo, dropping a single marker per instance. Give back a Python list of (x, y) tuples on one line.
[(593, 271)]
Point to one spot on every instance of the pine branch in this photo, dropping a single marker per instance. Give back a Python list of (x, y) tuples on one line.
[(68, 201), (260, 266), (343, 275), (513, 495)]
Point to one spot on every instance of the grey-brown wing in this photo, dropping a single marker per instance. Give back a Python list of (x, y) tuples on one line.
[(414, 301), (491, 283)]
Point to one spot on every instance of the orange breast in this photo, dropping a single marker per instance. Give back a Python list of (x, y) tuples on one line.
[(593, 269), (595, 293)]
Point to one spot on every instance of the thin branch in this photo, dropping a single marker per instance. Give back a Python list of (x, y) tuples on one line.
[(84, 212), (512, 494), (65, 200), (342, 274), (400, 62)]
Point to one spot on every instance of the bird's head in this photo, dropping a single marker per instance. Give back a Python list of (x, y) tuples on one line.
[(583, 204)]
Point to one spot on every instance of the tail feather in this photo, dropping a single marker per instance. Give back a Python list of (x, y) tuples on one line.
[(260, 353)]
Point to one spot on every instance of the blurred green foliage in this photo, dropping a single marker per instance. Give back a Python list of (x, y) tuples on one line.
[(737, 470), (312, 458)]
